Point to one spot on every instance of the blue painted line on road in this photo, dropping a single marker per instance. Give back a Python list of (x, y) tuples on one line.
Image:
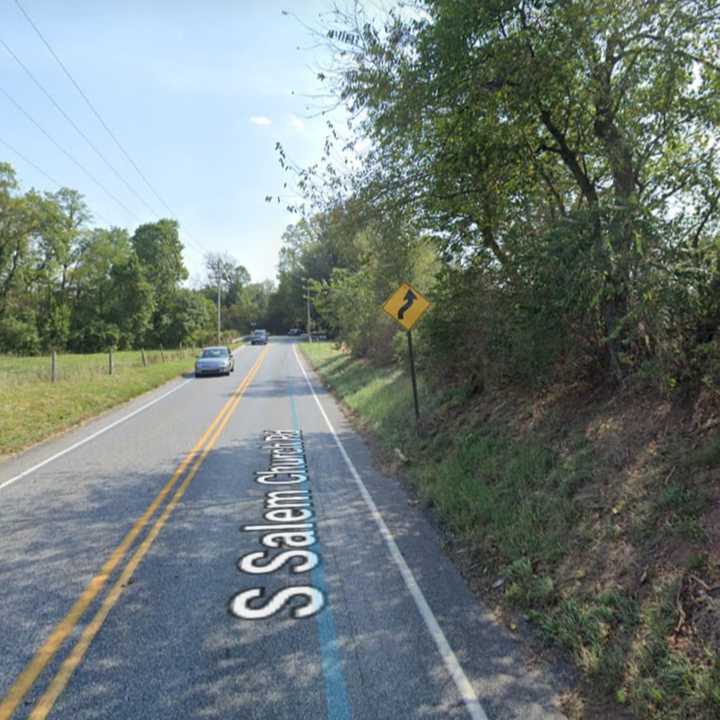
[(338, 705)]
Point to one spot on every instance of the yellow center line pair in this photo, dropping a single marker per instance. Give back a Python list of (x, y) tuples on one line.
[(67, 625)]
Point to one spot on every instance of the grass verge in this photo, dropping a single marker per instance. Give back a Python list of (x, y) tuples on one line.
[(584, 518), (32, 408)]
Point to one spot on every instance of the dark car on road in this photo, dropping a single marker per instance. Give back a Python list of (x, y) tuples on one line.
[(215, 361), (259, 337)]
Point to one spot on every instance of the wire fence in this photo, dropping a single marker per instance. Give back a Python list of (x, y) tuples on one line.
[(59, 367)]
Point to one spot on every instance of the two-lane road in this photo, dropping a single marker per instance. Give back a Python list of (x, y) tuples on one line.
[(225, 549)]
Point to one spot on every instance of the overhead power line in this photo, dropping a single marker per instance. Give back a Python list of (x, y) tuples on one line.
[(68, 155), (29, 162), (101, 120), (77, 129), (91, 106)]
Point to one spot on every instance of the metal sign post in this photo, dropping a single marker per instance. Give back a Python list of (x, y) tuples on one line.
[(406, 306), (412, 374)]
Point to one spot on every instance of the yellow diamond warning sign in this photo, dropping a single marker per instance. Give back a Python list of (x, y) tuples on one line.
[(406, 306)]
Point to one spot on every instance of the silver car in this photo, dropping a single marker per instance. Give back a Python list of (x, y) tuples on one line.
[(259, 337), (215, 361)]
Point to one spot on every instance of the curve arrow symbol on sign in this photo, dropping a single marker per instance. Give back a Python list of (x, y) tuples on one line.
[(410, 298)]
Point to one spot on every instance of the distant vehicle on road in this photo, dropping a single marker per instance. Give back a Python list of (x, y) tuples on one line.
[(294, 331), (217, 360), (259, 337)]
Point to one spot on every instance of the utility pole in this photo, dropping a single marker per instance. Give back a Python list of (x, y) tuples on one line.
[(307, 298), (218, 303)]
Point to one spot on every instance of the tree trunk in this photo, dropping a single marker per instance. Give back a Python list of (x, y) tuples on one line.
[(620, 161)]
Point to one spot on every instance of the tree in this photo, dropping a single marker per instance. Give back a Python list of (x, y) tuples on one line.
[(133, 301), (66, 285), (159, 250), (17, 222), (27, 265), (236, 281), (63, 222), (223, 269), (191, 319), (94, 292), (504, 125), (13, 239), (233, 280)]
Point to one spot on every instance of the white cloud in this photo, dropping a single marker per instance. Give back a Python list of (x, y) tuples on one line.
[(296, 122), (261, 120)]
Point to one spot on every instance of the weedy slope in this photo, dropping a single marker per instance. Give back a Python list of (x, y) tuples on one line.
[(595, 516)]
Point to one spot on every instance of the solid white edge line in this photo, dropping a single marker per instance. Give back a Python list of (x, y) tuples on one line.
[(464, 686), (89, 437), (27, 472)]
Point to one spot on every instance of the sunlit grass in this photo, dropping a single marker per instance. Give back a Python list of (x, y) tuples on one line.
[(484, 486), (15, 369), (32, 408), (382, 398)]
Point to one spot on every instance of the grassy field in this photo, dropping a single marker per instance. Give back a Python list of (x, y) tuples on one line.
[(592, 524), (32, 408)]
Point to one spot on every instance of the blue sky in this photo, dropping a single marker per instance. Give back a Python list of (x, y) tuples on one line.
[(197, 92)]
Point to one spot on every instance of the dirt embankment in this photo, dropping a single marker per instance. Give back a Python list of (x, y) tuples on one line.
[(634, 594)]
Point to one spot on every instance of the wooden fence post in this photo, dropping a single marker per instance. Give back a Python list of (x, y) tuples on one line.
[(53, 366), (162, 354), (110, 362), (142, 356)]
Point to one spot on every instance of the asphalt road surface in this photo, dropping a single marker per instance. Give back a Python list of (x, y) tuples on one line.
[(224, 548)]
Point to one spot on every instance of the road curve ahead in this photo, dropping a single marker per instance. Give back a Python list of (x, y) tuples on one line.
[(224, 548)]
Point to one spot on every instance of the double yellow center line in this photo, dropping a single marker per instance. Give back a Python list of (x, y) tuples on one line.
[(67, 625)]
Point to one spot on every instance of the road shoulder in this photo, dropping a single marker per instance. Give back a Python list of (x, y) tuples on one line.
[(511, 678)]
